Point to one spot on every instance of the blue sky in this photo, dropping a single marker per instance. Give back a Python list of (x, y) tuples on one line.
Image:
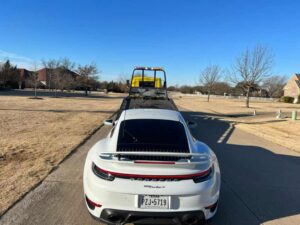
[(182, 36)]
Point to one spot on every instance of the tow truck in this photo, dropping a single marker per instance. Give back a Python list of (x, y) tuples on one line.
[(148, 89)]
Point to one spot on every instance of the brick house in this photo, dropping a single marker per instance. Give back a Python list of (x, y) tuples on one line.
[(46, 76), (292, 88), (42, 76), (24, 78)]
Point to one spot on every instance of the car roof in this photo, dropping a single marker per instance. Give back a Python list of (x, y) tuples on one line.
[(159, 114)]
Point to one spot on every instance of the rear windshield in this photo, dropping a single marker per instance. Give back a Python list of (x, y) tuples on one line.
[(152, 135)]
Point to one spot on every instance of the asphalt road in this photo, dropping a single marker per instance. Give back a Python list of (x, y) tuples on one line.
[(260, 182)]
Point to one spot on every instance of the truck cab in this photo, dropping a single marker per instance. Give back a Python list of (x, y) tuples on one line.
[(148, 82)]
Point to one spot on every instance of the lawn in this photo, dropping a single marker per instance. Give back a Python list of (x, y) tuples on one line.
[(37, 134), (285, 132)]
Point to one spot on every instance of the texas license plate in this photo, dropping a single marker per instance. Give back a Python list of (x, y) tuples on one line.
[(154, 202)]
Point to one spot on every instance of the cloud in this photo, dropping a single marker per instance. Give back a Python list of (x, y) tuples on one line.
[(20, 61)]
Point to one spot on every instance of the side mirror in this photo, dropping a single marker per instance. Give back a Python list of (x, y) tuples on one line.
[(127, 83), (109, 122), (191, 124)]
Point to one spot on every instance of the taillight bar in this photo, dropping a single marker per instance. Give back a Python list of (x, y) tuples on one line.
[(180, 177), (100, 173)]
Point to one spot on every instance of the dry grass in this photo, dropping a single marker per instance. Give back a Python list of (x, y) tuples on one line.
[(37, 134), (285, 132)]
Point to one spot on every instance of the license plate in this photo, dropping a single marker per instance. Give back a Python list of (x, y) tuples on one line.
[(154, 202)]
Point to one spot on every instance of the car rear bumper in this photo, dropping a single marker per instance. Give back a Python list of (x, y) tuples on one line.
[(113, 216), (121, 197), (186, 198), (204, 202)]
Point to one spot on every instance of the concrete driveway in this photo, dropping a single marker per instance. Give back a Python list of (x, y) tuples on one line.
[(260, 182)]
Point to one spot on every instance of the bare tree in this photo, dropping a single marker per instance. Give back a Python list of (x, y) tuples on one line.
[(35, 79), (8, 73), (87, 76), (32, 79), (122, 82), (274, 85), (251, 68), (123, 78), (52, 73), (222, 88), (66, 80), (3, 73), (20, 77), (209, 77)]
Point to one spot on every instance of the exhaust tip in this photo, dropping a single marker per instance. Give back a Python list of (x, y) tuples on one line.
[(188, 219), (115, 218)]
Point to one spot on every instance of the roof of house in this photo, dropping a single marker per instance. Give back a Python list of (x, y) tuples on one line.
[(297, 81), (47, 69), (22, 69), (24, 72)]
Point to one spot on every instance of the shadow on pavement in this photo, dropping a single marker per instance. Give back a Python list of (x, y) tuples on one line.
[(257, 184)]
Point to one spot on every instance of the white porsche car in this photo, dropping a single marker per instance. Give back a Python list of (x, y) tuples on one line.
[(150, 169)]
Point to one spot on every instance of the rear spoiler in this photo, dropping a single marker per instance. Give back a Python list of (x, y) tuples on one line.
[(198, 158)]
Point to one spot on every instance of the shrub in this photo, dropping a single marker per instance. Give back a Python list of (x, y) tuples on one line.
[(287, 99)]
